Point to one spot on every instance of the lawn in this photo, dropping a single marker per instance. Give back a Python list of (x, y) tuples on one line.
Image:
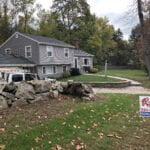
[(91, 78), (138, 75), (112, 123)]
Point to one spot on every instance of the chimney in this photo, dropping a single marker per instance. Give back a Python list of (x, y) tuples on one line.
[(77, 43)]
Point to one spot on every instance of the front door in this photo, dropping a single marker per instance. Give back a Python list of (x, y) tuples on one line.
[(75, 62)]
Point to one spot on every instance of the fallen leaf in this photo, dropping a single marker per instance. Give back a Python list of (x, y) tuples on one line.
[(2, 129), (110, 135), (2, 146), (37, 139), (101, 135), (58, 147), (118, 137)]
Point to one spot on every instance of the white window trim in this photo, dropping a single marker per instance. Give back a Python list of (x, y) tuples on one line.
[(52, 51), (6, 51), (66, 49), (26, 51)]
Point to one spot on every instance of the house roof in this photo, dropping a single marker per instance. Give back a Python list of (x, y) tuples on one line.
[(81, 53), (47, 40), (10, 60)]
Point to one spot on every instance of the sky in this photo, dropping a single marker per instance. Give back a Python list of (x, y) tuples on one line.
[(117, 12)]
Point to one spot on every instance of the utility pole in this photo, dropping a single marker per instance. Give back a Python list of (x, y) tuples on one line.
[(106, 64)]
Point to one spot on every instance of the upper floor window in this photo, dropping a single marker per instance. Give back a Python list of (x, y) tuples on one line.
[(8, 51), (49, 51), (66, 52), (28, 51)]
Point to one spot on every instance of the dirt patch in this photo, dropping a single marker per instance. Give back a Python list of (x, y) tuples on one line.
[(37, 112)]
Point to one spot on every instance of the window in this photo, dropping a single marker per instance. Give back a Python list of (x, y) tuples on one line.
[(17, 78), (28, 51), (44, 70), (8, 51), (29, 77), (64, 68), (54, 70), (86, 62), (50, 51), (66, 52)]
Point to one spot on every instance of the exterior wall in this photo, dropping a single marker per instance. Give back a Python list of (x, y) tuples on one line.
[(81, 62), (49, 73), (57, 58), (17, 46)]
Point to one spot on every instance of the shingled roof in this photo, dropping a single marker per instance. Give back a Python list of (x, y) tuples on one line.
[(10, 60), (47, 40), (81, 53)]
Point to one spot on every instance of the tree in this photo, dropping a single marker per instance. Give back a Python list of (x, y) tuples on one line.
[(145, 33), (68, 13)]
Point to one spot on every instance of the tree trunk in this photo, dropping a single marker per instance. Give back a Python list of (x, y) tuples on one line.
[(145, 36)]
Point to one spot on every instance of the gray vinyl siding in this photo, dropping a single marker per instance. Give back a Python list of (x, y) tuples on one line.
[(17, 46), (58, 56), (59, 71)]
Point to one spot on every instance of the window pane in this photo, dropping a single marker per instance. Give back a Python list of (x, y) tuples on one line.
[(17, 78)]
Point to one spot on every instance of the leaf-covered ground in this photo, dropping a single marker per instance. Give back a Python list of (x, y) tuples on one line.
[(108, 124)]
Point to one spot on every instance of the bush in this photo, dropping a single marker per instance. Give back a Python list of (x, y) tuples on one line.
[(66, 74), (75, 72), (93, 70)]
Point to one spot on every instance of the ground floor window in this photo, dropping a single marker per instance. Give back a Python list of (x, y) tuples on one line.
[(64, 68), (44, 70), (54, 70), (86, 61)]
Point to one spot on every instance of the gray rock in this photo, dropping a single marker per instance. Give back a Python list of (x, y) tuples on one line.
[(3, 103), (10, 88), (20, 102), (60, 88), (41, 86), (54, 94), (41, 97), (7, 95), (87, 88), (86, 99), (25, 91)]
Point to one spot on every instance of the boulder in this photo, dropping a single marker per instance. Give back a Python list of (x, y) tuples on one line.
[(87, 88), (40, 97), (10, 88), (20, 102), (3, 103), (7, 95), (60, 88), (25, 90), (54, 94), (41, 86)]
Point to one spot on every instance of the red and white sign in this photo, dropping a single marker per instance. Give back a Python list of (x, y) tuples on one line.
[(145, 106)]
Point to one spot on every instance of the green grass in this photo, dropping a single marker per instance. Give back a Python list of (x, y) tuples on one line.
[(91, 78), (89, 124), (138, 75)]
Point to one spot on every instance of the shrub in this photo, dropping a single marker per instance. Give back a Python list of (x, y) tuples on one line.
[(66, 74), (93, 70), (75, 72)]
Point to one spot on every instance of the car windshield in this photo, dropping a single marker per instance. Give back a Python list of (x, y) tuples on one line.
[(17, 78)]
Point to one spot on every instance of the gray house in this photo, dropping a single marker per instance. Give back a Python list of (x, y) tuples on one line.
[(45, 56)]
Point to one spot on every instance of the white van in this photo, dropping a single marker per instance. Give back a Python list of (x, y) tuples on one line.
[(18, 77)]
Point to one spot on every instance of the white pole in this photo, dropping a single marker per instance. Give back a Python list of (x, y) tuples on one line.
[(106, 68)]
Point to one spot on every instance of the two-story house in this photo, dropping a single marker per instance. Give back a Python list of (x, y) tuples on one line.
[(45, 56)]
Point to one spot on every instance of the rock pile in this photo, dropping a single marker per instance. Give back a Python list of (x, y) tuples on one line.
[(16, 94)]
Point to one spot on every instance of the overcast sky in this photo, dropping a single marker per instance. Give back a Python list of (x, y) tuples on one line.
[(115, 10)]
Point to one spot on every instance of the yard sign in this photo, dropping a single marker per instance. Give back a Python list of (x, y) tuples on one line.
[(145, 106)]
